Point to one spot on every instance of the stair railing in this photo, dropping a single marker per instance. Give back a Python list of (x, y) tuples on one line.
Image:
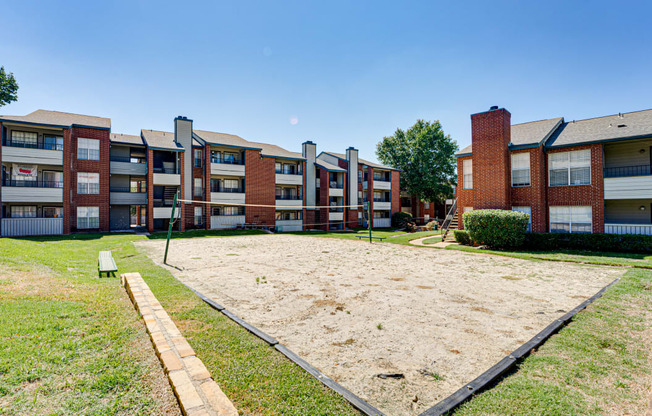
[(449, 218)]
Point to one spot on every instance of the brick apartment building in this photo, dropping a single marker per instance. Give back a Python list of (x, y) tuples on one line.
[(571, 176), (64, 173)]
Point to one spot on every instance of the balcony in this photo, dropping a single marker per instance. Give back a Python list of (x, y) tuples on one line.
[(289, 225), (293, 202), (382, 205), (33, 153), (289, 178), (336, 215), (16, 227), (382, 222), (638, 229), (228, 166), (127, 196), (220, 222), (128, 166), (166, 177), (628, 182), (39, 191), (384, 185), (228, 195)]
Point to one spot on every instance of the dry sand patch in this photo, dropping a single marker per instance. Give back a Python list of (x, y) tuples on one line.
[(354, 310)]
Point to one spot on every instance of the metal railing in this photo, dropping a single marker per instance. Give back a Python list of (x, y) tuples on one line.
[(382, 200), (638, 229), (227, 190), (34, 145), (286, 172), (336, 210), (449, 218), (163, 203), (335, 185), (127, 159), (227, 161), (32, 184), (290, 197), (621, 171), (126, 189), (172, 171)]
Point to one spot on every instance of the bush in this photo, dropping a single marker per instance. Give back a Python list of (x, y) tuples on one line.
[(401, 220), (496, 228), (462, 237), (623, 243)]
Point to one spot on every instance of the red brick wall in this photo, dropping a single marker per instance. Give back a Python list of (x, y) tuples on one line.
[(190, 208), (260, 183), (207, 186), (491, 134), (101, 166), (150, 190), (67, 161), (396, 191), (534, 196), (583, 195), (182, 224), (464, 196), (323, 199)]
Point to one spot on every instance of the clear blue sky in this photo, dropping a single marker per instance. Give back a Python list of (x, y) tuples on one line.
[(350, 72)]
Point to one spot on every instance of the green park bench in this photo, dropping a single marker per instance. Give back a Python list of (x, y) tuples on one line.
[(373, 236), (106, 264)]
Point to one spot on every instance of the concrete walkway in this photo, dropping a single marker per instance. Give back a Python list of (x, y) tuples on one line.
[(197, 392), (441, 244)]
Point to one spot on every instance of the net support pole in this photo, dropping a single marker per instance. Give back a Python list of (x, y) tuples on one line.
[(369, 219), (167, 243)]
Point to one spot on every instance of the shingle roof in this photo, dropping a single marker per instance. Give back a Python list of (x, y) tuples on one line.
[(57, 118), (636, 124), (361, 161), (328, 166), (534, 132), (212, 137), (161, 140), (276, 151), (127, 139)]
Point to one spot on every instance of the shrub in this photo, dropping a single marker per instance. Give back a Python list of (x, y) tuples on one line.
[(401, 220), (623, 243), (462, 237), (496, 228)]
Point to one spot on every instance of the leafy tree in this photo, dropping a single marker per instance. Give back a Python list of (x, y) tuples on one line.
[(8, 87), (426, 157)]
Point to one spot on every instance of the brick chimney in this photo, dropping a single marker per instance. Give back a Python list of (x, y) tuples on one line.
[(491, 135)]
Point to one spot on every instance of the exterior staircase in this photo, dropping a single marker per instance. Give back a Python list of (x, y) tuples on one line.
[(451, 222), (168, 194)]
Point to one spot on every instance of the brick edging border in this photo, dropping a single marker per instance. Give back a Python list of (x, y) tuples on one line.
[(486, 379), (198, 394)]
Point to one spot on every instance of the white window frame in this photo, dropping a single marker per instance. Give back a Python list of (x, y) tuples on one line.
[(88, 218), (24, 209), (88, 149), (570, 165), (467, 172), (526, 210), (570, 222), (199, 215), (520, 159), (198, 190), (84, 183)]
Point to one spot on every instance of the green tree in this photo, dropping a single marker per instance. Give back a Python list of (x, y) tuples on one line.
[(426, 157), (8, 87)]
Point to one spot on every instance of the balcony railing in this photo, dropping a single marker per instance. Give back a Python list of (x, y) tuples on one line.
[(335, 185), (227, 161), (638, 229), (287, 172), (621, 171), (127, 159), (34, 145), (227, 190), (158, 203), (171, 171), (336, 209), (127, 189), (32, 184), (290, 197), (382, 200)]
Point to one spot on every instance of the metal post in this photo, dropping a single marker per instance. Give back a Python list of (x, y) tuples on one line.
[(369, 219), (167, 243)]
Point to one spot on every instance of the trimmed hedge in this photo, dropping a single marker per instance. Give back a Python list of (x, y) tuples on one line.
[(496, 228), (622, 243), (462, 237), (401, 220)]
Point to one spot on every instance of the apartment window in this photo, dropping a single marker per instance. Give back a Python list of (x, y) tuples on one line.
[(23, 212), (52, 212), (230, 157), (199, 215), (528, 211), (570, 168), (231, 185), (359, 176), (137, 185), (571, 219), (381, 214), (88, 217), (88, 183), (53, 142), (426, 205), (467, 170), (88, 149), (198, 188), (198, 158), (287, 215), (521, 169), (52, 179), (24, 139), (219, 211), (359, 195)]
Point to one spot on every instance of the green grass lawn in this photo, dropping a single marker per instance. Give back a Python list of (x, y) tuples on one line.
[(597, 365), (392, 236), (71, 343)]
